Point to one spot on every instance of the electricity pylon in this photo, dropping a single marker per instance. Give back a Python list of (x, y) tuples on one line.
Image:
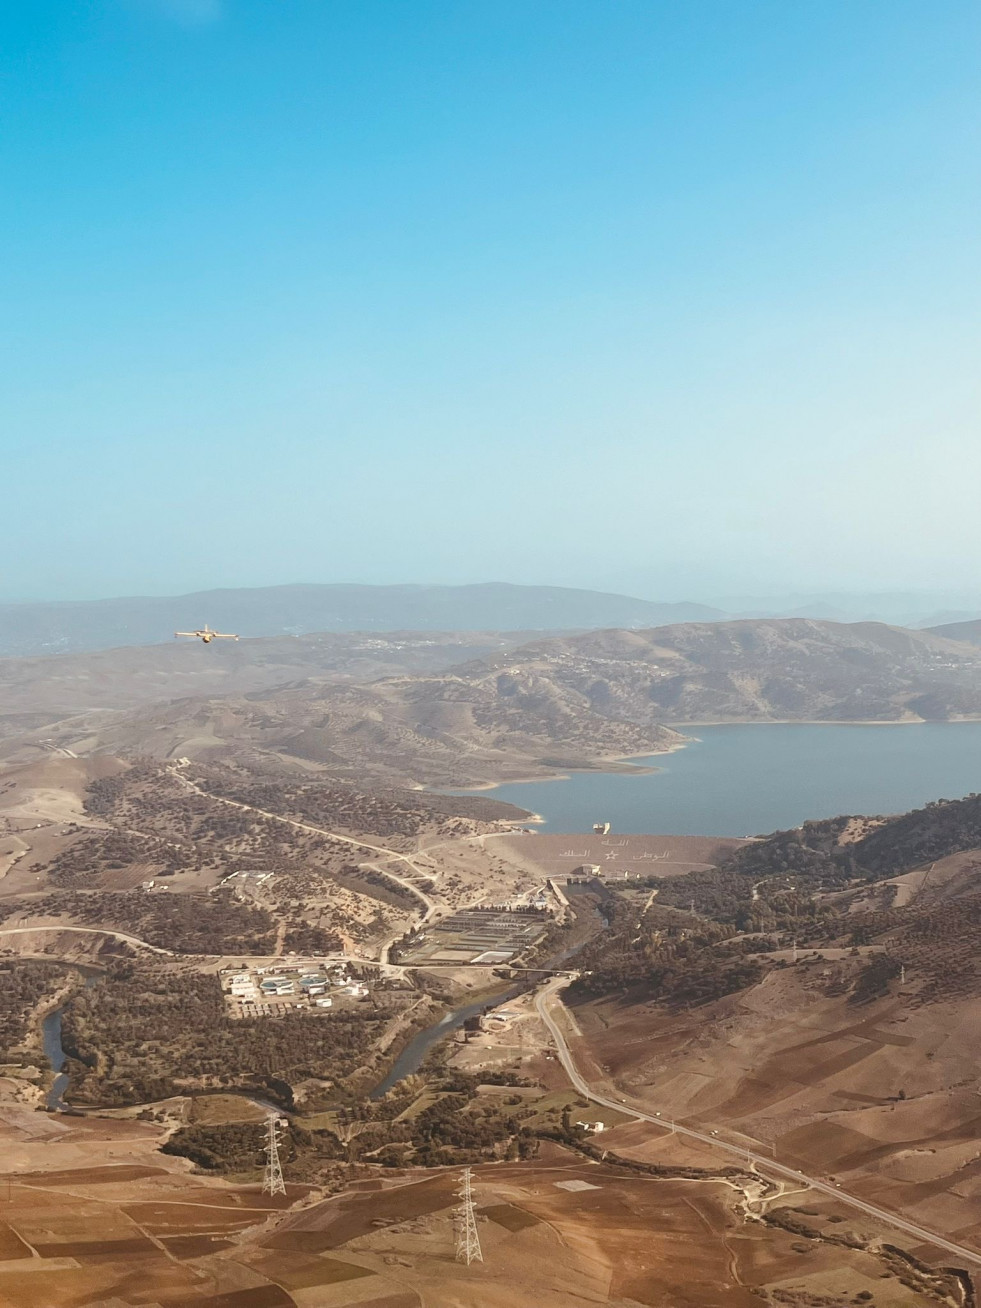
[(272, 1181), (467, 1240)]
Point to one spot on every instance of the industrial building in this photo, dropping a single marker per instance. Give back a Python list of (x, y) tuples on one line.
[(272, 990)]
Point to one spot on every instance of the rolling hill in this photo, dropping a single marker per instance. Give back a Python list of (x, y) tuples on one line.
[(39, 691), (824, 1001), (556, 703), (966, 631), (760, 670), (435, 731)]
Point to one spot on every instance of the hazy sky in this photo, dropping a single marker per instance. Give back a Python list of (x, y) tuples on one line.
[(678, 297)]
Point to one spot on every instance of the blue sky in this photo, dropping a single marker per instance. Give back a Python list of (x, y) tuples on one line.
[(672, 298)]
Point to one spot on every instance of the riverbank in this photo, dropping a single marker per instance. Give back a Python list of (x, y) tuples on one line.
[(563, 942), (416, 1049), (49, 1019)]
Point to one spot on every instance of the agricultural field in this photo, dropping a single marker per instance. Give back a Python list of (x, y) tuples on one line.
[(812, 994), (91, 1212)]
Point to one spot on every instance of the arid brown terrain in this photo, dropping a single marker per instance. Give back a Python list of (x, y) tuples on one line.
[(836, 1032), (38, 691), (92, 1213), (257, 859), (330, 704), (759, 670), (807, 999)]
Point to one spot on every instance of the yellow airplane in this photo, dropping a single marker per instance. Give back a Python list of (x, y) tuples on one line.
[(206, 634)]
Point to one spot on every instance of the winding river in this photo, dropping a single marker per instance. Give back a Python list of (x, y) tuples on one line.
[(56, 1056), (408, 1061), (51, 1043), (412, 1056)]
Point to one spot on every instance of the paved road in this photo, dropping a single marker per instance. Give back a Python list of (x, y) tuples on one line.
[(91, 931), (761, 1161)]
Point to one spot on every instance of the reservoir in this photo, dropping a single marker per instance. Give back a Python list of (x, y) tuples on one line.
[(749, 780)]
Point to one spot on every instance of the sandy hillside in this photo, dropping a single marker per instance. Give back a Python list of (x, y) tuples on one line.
[(882, 1096)]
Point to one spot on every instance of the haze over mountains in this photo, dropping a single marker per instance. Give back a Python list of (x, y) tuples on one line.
[(896, 608), (28, 629), (63, 627), (34, 691), (966, 631), (422, 711)]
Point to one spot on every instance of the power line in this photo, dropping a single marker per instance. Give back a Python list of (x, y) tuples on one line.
[(467, 1240)]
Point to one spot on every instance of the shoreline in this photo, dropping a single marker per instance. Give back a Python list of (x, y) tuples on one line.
[(564, 776), (821, 722), (553, 776), (682, 728)]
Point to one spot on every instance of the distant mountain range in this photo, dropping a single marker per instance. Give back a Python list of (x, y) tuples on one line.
[(966, 631), (896, 608), (67, 627)]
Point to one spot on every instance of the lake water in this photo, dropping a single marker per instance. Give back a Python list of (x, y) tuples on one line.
[(747, 780)]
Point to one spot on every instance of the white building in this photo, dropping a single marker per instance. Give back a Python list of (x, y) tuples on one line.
[(587, 870)]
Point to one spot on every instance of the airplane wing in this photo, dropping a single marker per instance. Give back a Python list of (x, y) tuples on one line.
[(224, 635)]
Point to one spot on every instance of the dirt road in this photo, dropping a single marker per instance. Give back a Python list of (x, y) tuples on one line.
[(90, 931), (431, 907)]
